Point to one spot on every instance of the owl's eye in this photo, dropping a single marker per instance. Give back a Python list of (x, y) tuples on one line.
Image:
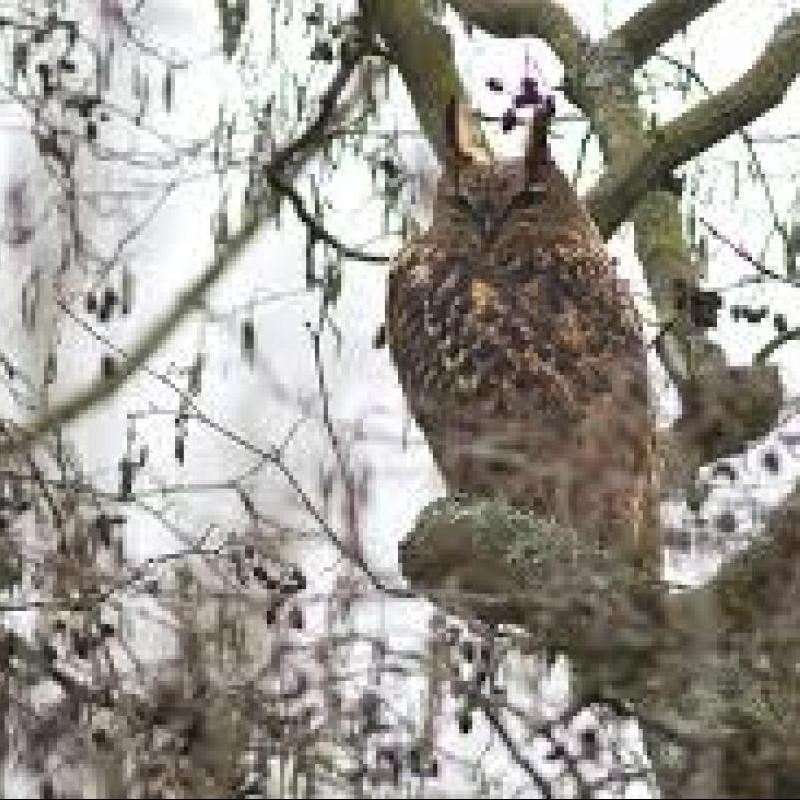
[(530, 196), (463, 203), (477, 212)]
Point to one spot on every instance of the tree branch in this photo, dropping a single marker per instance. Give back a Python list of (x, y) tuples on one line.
[(714, 668), (316, 227), (656, 24), (724, 408), (423, 54), (696, 364), (315, 133), (188, 299), (759, 89)]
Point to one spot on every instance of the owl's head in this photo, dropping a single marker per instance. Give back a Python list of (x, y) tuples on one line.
[(490, 195)]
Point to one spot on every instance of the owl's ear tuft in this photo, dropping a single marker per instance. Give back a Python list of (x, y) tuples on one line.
[(460, 137), (537, 149)]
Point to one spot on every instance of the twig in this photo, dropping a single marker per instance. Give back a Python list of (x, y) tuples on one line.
[(316, 227), (772, 347), (272, 456), (188, 299), (740, 251)]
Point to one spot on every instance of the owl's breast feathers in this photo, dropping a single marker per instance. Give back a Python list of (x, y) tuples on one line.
[(526, 358), (545, 333)]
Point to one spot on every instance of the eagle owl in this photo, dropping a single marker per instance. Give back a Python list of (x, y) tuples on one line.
[(520, 353)]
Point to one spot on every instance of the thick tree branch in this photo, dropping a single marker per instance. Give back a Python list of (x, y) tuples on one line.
[(759, 89), (697, 365), (729, 407), (638, 38), (423, 54), (714, 668), (656, 24)]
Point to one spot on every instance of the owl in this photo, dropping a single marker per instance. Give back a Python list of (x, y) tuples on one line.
[(520, 353)]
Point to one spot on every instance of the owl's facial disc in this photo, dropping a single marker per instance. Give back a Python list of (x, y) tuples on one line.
[(487, 197)]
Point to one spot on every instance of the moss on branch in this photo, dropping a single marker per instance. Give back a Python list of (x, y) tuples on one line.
[(711, 672), (505, 564)]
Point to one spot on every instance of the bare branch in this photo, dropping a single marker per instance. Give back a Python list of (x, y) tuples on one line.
[(759, 89), (775, 344), (315, 226), (271, 456), (749, 142), (189, 298), (656, 24), (315, 134)]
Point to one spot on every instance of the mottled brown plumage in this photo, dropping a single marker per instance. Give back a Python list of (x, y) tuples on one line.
[(520, 352)]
